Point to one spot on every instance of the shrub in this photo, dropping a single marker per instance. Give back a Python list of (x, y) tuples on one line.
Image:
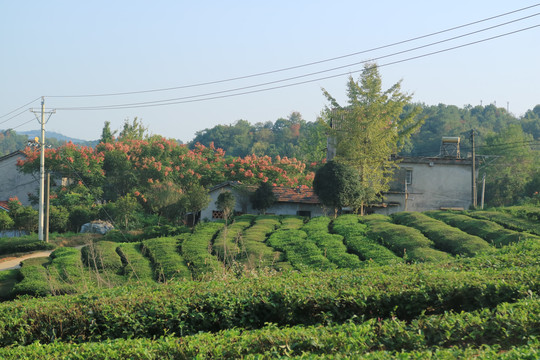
[(404, 241), (135, 266), (257, 252), (445, 237), (334, 249), (228, 243), (102, 255), (167, 262), (291, 222), (487, 230), (33, 278), (197, 249), (6, 223), (301, 253), (23, 244), (509, 221)]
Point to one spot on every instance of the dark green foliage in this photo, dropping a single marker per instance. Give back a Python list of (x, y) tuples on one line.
[(23, 244), (226, 203), (507, 326), (487, 230), (301, 253), (357, 242), (405, 242), (445, 237), (525, 212), (404, 292), (337, 185), (229, 243), (334, 249), (508, 221), (102, 255), (263, 197), (291, 222), (168, 264), (257, 252), (165, 231), (136, 267), (197, 249), (34, 278), (317, 224)]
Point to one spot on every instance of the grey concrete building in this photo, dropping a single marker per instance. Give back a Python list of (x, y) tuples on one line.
[(12, 182)]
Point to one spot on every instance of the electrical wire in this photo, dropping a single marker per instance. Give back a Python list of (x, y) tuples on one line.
[(302, 65), (20, 107), (189, 100)]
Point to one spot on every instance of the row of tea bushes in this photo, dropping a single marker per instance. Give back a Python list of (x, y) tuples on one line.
[(445, 237), (258, 254), (355, 238), (300, 252), (404, 241), (509, 221), (167, 262), (197, 249), (510, 329), (228, 244), (13, 245), (291, 222), (185, 308), (525, 212), (487, 230), (136, 267)]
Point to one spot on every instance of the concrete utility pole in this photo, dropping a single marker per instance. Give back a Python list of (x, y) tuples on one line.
[(42, 122), (474, 200)]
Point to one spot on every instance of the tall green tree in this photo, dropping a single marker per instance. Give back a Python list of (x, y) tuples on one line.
[(370, 129), (263, 197), (338, 185), (226, 203), (107, 135)]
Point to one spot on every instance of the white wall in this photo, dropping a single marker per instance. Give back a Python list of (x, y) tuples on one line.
[(14, 183)]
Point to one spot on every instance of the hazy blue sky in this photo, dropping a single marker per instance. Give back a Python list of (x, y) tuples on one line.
[(51, 48)]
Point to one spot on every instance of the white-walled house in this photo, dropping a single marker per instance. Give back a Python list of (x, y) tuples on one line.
[(300, 201)]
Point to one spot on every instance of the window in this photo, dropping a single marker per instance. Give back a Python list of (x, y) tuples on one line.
[(408, 176)]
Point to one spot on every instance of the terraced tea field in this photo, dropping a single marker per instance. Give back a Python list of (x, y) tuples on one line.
[(268, 286)]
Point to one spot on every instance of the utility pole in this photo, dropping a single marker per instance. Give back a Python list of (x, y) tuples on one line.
[(42, 122), (483, 191), (474, 200)]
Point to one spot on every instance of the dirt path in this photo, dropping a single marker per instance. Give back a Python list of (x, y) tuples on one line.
[(15, 263)]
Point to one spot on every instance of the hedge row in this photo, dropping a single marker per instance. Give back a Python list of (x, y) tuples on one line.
[(487, 230), (136, 267), (67, 273), (22, 244), (357, 242), (257, 253), (445, 237), (291, 222), (228, 244), (33, 278), (197, 249), (525, 212), (331, 244), (102, 255), (167, 262), (506, 329), (186, 308), (404, 241), (509, 221), (301, 253)]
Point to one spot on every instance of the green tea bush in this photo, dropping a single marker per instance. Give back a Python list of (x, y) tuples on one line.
[(445, 237), (403, 292), (509, 221), (136, 267), (487, 230), (228, 244), (301, 253), (406, 242), (33, 278), (291, 222), (525, 212), (334, 249), (257, 252), (66, 267), (23, 244), (505, 330), (357, 242), (168, 264), (197, 249), (317, 225), (102, 255)]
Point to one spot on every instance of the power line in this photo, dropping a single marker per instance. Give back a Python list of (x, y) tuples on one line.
[(20, 107), (302, 65), (190, 99)]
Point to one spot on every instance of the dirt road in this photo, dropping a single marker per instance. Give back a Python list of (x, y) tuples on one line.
[(15, 263)]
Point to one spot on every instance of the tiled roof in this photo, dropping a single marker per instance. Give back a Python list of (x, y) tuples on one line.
[(302, 195), (4, 205)]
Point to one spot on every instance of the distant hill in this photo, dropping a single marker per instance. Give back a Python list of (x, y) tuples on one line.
[(61, 138)]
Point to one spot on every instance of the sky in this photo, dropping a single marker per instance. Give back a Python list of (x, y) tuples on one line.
[(203, 63)]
